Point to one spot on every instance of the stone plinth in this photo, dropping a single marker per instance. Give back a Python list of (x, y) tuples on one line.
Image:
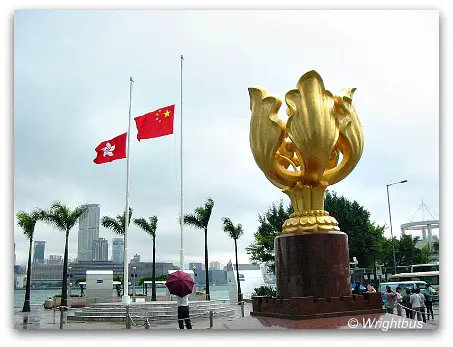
[(381, 321), (313, 280), (312, 264), (309, 307)]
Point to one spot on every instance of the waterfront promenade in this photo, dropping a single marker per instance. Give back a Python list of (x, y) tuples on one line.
[(46, 319)]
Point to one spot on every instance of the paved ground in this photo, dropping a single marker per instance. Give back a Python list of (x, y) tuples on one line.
[(46, 319), (40, 319)]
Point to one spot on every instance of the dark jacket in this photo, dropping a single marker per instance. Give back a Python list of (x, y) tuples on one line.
[(407, 301)]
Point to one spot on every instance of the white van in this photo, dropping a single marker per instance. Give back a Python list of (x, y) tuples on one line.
[(404, 285)]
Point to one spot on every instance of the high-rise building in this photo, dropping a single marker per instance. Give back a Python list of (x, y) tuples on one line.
[(118, 250), (135, 259), (214, 265), (100, 249), (38, 252), (88, 232), (55, 259), (196, 265)]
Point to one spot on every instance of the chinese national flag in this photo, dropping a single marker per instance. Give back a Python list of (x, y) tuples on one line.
[(155, 124), (111, 150)]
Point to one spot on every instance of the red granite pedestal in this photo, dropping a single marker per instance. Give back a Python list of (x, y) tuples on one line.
[(372, 321), (313, 280)]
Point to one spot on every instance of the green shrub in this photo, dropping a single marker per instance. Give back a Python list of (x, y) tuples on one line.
[(264, 291), (72, 295)]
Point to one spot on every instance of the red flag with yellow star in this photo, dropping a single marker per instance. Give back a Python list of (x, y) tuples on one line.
[(155, 124)]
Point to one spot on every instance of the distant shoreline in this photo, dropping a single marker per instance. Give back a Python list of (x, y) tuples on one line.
[(47, 288)]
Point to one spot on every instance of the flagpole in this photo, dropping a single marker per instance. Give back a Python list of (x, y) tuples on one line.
[(181, 216), (126, 298)]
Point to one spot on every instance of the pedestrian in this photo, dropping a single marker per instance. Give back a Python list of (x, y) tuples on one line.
[(399, 301), (429, 300), (422, 304), (356, 289), (390, 299), (415, 304), (407, 303), (370, 289), (183, 312)]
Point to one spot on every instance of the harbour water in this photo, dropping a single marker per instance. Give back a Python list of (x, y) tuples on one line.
[(38, 296)]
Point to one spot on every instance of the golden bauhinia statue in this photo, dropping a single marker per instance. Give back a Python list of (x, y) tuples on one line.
[(302, 156)]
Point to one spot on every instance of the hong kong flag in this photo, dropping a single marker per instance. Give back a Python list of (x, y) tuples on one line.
[(111, 150), (155, 124)]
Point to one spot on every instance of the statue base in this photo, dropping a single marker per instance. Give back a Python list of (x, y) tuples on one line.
[(312, 264), (313, 280), (309, 307), (380, 322)]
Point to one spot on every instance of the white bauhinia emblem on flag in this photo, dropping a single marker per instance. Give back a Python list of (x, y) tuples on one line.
[(108, 149)]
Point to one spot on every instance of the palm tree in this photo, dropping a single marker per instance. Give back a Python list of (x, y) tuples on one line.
[(27, 221), (61, 217), (235, 232), (200, 220), (117, 224), (150, 228)]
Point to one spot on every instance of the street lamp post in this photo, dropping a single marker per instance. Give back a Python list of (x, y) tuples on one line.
[(134, 275), (391, 228)]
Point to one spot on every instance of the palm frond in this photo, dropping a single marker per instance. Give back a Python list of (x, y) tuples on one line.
[(130, 216), (53, 218), (112, 224), (74, 216), (193, 221), (207, 210), (60, 216), (148, 226), (27, 221), (233, 231)]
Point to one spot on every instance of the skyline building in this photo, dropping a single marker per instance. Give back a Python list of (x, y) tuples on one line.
[(135, 259), (55, 259), (100, 249), (196, 265), (214, 265), (117, 250), (88, 232), (38, 252)]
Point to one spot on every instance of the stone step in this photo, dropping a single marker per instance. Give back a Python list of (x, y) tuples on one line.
[(157, 303), (154, 312), (116, 312), (137, 318), (145, 313), (147, 309)]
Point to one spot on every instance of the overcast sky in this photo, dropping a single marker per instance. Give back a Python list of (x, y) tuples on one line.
[(71, 92)]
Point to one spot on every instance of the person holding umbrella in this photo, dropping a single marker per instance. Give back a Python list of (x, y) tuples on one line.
[(183, 312), (181, 284)]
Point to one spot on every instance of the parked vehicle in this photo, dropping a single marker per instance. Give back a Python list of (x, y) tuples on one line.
[(431, 277), (404, 285)]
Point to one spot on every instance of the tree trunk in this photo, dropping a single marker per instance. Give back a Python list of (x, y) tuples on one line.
[(237, 270), (153, 283), (26, 307), (206, 266), (64, 288)]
